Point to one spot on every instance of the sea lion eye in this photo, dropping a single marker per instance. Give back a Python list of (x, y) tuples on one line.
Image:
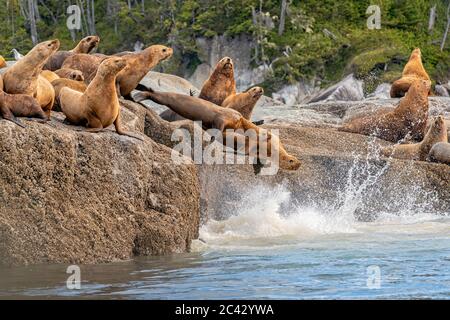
[(164, 50)]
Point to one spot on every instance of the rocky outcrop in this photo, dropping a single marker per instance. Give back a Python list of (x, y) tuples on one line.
[(67, 196), (441, 91), (348, 89)]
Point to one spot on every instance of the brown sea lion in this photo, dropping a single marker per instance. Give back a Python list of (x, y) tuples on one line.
[(86, 63), (138, 65), (221, 83), (440, 153), (49, 75), (71, 74), (24, 76), (244, 102), (413, 71), (1, 83), (2, 62), (86, 45), (58, 84), (212, 116), (98, 107), (19, 105), (419, 151), (408, 118)]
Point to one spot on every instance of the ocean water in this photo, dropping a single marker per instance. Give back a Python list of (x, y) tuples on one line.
[(271, 246)]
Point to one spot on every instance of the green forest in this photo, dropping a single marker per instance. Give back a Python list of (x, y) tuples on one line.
[(320, 39)]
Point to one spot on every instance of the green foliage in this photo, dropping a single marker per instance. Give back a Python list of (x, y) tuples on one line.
[(322, 39)]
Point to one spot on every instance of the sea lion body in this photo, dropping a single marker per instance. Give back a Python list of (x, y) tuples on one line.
[(49, 75), (86, 45), (419, 151), (19, 105), (440, 152), (98, 107), (221, 84), (138, 65), (58, 84), (413, 71), (244, 102), (24, 76), (86, 63), (71, 74), (2, 62), (1, 83), (408, 118)]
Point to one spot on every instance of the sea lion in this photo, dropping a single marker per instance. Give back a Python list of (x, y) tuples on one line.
[(19, 105), (408, 118), (440, 152), (86, 63), (49, 75), (71, 74), (413, 71), (419, 151), (2, 62), (244, 102), (138, 65), (1, 83), (58, 84), (86, 45), (221, 84), (98, 107), (212, 116), (24, 76)]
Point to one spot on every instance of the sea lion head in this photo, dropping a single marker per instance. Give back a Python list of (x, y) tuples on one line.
[(255, 92), (89, 43), (44, 50), (439, 125), (111, 66), (159, 52), (225, 66), (2, 62), (416, 53), (76, 75)]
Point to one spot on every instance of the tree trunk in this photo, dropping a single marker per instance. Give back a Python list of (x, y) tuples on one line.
[(432, 18), (446, 29), (32, 20), (284, 5)]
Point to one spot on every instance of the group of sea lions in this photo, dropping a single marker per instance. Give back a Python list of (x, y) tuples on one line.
[(86, 87), (409, 120)]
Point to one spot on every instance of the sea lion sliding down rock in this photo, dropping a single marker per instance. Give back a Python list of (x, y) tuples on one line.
[(244, 102), (419, 151), (86, 45), (24, 76), (98, 107), (413, 71), (19, 105), (213, 117), (71, 74), (408, 118), (2, 62), (440, 153)]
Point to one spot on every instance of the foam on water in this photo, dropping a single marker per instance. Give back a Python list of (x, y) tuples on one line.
[(269, 216)]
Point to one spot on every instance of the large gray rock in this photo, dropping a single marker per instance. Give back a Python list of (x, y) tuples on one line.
[(383, 91), (441, 91), (68, 196), (348, 89)]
